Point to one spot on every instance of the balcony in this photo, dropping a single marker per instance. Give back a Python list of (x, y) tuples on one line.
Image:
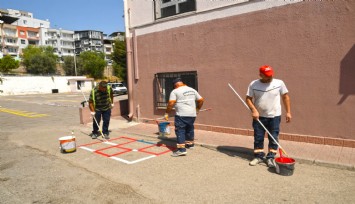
[(7, 44), (68, 46)]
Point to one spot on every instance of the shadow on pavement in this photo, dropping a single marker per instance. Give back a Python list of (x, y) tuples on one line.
[(169, 143), (233, 151)]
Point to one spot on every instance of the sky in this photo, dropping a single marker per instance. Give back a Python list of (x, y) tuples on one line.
[(100, 15)]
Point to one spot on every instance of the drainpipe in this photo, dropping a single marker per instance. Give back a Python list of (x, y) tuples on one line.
[(135, 54), (129, 59)]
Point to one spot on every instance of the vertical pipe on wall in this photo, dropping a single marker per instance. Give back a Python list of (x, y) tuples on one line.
[(129, 58), (135, 55)]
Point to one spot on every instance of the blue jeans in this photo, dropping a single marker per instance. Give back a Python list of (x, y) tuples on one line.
[(106, 115), (273, 126), (184, 130)]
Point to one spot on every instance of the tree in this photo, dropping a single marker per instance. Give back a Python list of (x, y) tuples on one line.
[(119, 57), (92, 63), (39, 60), (69, 66), (8, 63)]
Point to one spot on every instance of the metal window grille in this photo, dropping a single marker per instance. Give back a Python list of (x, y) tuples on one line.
[(166, 8), (164, 85)]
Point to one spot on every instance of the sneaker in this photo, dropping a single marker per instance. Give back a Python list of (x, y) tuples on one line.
[(178, 153), (271, 163), (255, 161), (106, 136), (189, 146), (93, 136)]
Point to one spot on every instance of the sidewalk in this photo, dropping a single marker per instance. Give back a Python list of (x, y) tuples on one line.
[(239, 145)]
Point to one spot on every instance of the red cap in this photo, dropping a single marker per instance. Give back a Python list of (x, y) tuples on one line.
[(266, 70)]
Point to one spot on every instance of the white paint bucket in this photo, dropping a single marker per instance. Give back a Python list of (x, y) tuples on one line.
[(67, 144)]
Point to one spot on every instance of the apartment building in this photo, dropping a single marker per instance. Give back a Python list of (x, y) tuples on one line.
[(117, 36), (209, 44), (61, 40), (28, 36), (9, 40), (8, 34), (88, 40), (108, 48), (20, 29), (26, 19)]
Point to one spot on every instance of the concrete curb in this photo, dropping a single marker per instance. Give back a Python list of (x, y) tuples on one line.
[(247, 153)]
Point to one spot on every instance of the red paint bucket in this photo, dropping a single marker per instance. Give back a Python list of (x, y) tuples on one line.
[(285, 166)]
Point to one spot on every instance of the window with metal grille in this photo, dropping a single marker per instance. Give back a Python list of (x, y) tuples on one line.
[(166, 8), (164, 85)]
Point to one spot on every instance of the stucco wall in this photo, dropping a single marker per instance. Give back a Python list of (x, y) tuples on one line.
[(141, 14), (16, 85), (309, 44)]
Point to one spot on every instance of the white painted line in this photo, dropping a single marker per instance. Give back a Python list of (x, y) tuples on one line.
[(110, 143), (121, 160), (142, 159), (132, 162), (90, 150)]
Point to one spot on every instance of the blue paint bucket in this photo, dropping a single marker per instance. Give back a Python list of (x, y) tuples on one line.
[(164, 128)]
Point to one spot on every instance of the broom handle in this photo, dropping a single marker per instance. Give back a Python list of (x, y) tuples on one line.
[(258, 120), (205, 109)]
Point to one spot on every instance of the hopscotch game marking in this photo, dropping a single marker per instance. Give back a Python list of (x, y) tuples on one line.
[(122, 147)]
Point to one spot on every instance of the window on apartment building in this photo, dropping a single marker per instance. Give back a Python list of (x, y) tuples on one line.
[(164, 85), (23, 42), (12, 49), (33, 42), (166, 8), (22, 32), (25, 22), (10, 40)]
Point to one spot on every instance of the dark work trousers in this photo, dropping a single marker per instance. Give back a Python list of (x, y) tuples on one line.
[(106, 115), (184, 130), (273, 126)]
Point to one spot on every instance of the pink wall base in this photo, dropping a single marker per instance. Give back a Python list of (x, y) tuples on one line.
[(282, 136)]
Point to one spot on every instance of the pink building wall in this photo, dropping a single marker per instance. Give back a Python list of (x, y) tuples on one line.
[(309, 44)]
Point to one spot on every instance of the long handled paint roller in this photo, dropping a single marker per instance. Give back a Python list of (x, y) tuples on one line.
[(258, 120), (102, 135)]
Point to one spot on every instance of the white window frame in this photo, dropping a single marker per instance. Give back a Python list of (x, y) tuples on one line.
[(159, 5)]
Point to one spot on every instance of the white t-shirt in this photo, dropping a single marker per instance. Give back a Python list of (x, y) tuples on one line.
[(185, 98), (266, 96)]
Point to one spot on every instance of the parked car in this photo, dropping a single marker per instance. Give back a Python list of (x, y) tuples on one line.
[(118, 88)]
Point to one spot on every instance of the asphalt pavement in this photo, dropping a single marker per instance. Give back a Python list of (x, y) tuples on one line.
[(323, 155), (135, 165)]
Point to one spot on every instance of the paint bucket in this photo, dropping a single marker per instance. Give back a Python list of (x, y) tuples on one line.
[(164, 128), (67, 144), (285, 166)]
